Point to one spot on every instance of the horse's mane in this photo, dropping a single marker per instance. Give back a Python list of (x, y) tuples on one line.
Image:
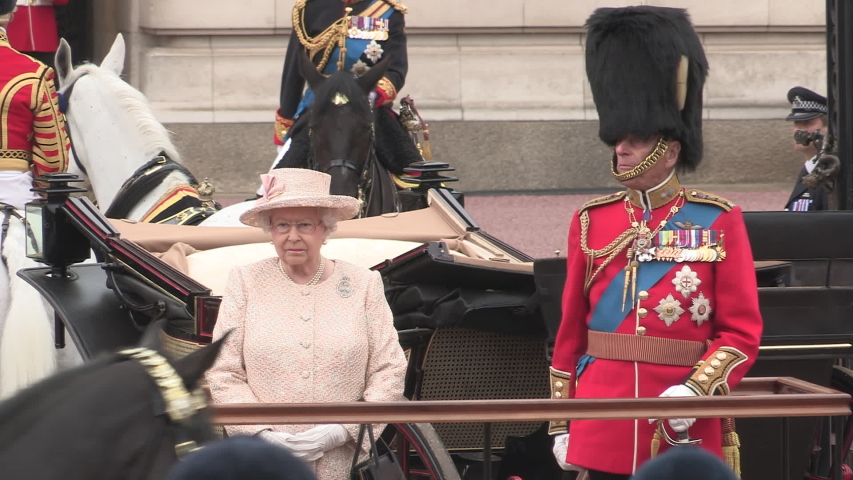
[(22, 410), (155, 136)]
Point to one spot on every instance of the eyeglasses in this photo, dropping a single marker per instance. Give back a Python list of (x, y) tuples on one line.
[(301, 227)]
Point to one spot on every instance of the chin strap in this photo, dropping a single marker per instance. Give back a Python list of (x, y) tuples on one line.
[(643, 166)]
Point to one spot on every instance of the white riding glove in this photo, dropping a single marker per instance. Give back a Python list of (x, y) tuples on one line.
[(679, 424), (561, 446), (312, 444), (372, 97)]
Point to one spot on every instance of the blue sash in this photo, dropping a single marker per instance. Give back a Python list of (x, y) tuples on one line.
[(607, 314), (355, 49)]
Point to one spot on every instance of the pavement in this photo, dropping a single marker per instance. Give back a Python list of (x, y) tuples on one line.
[(537, 223)]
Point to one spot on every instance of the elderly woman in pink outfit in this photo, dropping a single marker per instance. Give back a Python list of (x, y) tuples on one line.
[(304, 328)]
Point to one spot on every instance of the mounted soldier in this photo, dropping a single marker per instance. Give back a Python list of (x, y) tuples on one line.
[(34, 140), (353, 36), (660, 296)]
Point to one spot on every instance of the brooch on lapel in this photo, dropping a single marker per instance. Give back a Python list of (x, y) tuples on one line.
[(345, 288)]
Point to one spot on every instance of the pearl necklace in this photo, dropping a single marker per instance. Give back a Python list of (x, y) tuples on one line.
[(314, 280)]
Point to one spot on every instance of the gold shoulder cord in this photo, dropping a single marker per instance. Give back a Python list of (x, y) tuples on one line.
[(333, 36), (610, 251)]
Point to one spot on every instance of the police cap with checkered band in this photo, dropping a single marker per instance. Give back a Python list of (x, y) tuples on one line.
[(805, 104)]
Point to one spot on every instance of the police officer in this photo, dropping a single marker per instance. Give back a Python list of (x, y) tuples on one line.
[(660, 296), (34, 140), (809, 114)]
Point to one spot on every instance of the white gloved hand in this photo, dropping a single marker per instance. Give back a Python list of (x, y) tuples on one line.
[(315, 442), (679, 424), (275, 438), (372, 97), (561, 447)]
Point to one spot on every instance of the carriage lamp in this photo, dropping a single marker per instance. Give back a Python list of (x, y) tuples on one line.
[(51, 237)]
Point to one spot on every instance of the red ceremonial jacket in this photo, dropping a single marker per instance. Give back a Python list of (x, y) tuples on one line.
[(33, 29), (715, 302), (32, 129)]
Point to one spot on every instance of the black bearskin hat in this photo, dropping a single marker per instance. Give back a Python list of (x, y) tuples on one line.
[(6, 6), (632, 59)]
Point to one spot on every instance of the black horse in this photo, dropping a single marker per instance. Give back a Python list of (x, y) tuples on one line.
[(128, 415), (342, 135)]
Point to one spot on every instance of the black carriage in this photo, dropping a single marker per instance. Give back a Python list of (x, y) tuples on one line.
[(475, 316)]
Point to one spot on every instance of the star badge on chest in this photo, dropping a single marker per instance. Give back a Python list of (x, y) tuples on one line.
[(686, 281), (669, 309), (700, 310)]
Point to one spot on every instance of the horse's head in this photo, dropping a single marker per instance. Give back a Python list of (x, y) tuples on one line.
[(129, 415), (341, 123), (112, 127)]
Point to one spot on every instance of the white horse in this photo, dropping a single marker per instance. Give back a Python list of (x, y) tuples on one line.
[(116, 137), (27, 352)]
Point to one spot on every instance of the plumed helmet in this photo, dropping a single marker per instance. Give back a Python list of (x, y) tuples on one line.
[(6, 6), (647, 68)]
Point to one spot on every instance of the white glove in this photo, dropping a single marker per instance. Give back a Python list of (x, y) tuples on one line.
[(372, 97), (561, 446), (275, 438), (312, 444), (679, 424)]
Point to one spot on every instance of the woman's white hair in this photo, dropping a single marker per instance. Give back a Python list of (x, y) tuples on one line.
[(328, 217)]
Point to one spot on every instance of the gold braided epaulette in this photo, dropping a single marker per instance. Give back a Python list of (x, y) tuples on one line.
[(613, 197), (397, 6), (699, 196)]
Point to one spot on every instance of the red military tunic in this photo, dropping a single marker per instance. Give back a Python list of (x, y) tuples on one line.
[(32, 129), (701, 301), (33, 28)]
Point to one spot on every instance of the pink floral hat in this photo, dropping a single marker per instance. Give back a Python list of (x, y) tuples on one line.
[(298, 187)]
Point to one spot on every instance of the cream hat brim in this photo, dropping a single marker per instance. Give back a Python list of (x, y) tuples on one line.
[(346, 207)]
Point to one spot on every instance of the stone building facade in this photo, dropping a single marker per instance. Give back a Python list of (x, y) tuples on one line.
[(502, 83)]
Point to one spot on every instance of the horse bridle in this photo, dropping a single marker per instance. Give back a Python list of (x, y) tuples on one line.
[(365, 182), (181, 405), (64, 105)]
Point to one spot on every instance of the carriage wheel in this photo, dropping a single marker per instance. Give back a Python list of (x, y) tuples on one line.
[(427, 457)]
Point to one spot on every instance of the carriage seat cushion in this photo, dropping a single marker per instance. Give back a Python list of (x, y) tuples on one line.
[(211, 267)]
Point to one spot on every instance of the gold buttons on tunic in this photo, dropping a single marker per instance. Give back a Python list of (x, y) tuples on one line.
[(721, 356), (715, 363), (644, 295), (558, 384), (709, 370), (558, 395), (642, 312), (641, 330), (702, 378)]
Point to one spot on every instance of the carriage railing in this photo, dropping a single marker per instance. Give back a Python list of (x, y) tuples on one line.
[(758, 397)]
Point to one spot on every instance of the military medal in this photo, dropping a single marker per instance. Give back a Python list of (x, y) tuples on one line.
[(700, 310), (669, 309), (686, 281), (345, 287)]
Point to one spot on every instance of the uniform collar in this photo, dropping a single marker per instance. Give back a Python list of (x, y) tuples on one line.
[(657, 196)]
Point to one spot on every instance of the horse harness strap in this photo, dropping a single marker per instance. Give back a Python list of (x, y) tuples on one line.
[(180, 404), (186, 208), (10, 211)]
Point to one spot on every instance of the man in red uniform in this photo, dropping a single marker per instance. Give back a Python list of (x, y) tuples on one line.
[(33, 140), (34, 30), (660, 296)]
